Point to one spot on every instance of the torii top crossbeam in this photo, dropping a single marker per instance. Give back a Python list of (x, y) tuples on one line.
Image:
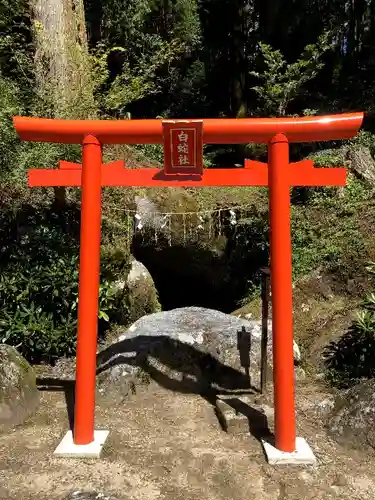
[(216, 130)]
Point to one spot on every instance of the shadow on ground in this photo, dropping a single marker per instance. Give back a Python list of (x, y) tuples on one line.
[(58, 385)]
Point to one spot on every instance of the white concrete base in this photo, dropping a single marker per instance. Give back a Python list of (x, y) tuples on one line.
[(302, 456), (67, 448)]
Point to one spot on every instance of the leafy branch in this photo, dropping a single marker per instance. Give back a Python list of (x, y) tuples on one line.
[(134, 82), (283, 82)]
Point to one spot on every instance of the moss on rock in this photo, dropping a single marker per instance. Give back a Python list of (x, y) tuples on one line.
[(140, 296), (19, 395)]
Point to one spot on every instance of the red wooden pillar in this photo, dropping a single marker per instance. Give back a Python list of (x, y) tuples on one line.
[(88, 298), (279, 182)]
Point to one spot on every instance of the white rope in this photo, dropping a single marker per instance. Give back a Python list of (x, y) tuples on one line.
[(161, 222), (199, 213)]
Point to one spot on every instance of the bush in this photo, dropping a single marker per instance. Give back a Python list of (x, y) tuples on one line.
[(328, 231), (352, 357), (39, 283)]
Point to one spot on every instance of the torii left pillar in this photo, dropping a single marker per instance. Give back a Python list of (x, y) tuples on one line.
[(88, 298), (84, 441)]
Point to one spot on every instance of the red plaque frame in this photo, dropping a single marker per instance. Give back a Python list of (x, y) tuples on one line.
[(183, 147)]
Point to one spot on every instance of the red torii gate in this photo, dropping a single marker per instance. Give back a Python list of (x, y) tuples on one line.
[(279, 176)]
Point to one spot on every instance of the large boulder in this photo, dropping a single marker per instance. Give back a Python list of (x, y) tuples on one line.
[(139, 292), (352, 418), (19, 395), (188, 349)]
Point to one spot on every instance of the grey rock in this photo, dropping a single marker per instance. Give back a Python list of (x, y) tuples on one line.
[(352, 418), (189, 349), (19, 396), (138, 272), (64, 369), (325, 407), (81, 495), (300, 373), (362, 162)]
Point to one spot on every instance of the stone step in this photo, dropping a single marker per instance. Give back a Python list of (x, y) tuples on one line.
[(242, 415)]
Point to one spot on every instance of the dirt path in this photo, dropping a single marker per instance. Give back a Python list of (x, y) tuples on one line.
[(169, 446)]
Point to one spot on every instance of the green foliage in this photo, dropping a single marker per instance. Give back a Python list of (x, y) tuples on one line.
[(10, 105), (134, 82), (16, 45), (328, 157), (364, 138), (326, 231), (146, 39), (24, 322), (39, 283), (283, 82), (123, 19), (17, 157), (351, 358), (149, 152), (324, 243)]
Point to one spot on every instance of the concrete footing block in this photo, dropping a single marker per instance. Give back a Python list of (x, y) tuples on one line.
[(67, 448), (303, 455)]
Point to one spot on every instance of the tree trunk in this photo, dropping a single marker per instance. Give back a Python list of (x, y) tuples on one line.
[(62, 63), (239, 68), (60, 197)]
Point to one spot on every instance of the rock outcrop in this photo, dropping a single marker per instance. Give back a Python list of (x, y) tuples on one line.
[(352, 418), (362, 163), (19, 395), (188, 349), (141, 297), (199, 255)]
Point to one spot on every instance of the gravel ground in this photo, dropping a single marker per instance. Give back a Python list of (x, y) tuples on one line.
[(170, 446)]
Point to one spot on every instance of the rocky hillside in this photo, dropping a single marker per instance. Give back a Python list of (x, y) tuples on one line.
[(206, 247)]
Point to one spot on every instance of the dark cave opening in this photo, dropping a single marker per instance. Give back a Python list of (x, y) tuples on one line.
[(196, 275)]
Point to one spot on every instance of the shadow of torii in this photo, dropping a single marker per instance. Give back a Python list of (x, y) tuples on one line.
[(201, 372), (178, 356)]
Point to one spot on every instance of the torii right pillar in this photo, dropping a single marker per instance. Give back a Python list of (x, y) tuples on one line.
[(282, 175)]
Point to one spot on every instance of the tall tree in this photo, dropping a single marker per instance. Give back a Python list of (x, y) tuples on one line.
[(62, 63), (64, 77)]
